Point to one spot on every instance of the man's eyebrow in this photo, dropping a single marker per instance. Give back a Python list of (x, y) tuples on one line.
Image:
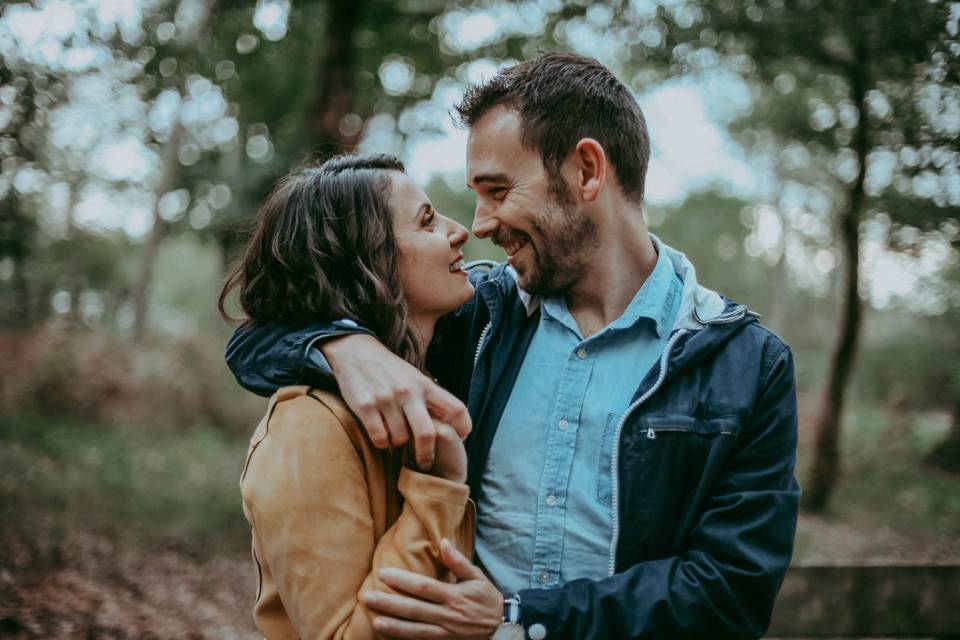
[(489, 177)]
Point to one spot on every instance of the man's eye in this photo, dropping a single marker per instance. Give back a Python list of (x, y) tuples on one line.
[(497, 193)]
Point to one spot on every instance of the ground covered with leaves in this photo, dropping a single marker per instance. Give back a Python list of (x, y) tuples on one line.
[(120, 533)]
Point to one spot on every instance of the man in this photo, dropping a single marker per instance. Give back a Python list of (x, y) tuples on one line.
[(634, 433)]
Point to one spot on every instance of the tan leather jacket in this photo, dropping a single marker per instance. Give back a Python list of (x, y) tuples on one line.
[(326, 513)]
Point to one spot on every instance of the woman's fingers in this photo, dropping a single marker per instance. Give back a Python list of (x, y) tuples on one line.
[(451, 460)]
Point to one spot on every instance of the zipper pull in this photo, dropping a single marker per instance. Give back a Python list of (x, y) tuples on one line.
[(651, 434)]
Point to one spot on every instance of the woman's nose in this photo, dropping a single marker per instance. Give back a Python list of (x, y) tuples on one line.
[(457, 234)]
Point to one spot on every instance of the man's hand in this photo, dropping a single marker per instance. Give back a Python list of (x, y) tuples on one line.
[(391, 397), (428, 608)]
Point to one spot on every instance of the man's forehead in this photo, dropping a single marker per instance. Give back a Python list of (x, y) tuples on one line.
[(494, 145), (499, 125)]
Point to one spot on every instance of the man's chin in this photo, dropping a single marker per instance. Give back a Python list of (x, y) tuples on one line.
[(532, 284)]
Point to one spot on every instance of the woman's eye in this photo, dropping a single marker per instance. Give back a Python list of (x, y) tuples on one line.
[(428, 220)]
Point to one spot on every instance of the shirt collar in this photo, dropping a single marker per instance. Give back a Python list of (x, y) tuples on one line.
[(654, 301)]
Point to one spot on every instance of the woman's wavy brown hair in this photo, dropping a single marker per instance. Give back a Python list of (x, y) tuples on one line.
[(323, 248)]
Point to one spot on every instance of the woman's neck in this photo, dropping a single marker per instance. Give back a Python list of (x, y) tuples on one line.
[(423, 327)]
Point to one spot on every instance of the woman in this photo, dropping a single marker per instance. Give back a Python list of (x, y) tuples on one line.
[(351, 238)]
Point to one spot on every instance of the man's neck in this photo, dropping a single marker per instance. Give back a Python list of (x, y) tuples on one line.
[(623, 259)]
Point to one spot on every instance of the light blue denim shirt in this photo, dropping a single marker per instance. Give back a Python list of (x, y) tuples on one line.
[(544, 516)]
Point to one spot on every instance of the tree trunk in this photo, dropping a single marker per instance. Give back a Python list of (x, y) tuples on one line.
[(335, 80), (946, 455), (17, 230), (169, 173), (169, 168), (826, 463)]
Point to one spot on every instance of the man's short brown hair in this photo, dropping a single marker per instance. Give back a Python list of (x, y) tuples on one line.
[(562, 98)]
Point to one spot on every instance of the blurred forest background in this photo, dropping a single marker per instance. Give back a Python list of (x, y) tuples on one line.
[(805, 157)]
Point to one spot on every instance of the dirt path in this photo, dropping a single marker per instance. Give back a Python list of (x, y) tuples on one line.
[(100, 591)]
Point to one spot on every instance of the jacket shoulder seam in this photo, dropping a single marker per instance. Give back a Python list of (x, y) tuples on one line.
[(350, 432), (770, 357)]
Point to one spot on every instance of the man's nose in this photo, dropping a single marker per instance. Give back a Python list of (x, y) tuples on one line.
[(484, 224)]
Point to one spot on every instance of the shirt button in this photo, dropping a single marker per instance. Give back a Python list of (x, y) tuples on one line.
[(581, 353), (551, 500), (563, 424), (537, 632), (544, 577), (348, 322)]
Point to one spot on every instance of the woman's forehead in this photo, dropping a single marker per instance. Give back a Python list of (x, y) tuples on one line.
[(405, 194)]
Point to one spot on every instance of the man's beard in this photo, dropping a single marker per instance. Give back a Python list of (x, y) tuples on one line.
[(563, 234)]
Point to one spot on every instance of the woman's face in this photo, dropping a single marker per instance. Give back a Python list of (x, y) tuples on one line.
[(430, 257)]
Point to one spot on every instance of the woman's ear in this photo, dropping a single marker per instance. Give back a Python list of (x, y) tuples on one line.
[(591, 162)]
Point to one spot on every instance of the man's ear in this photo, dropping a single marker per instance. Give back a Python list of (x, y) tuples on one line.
[(591, 162)]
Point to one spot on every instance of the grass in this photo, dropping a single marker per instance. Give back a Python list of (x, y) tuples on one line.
[(888, 505), (149, 489)]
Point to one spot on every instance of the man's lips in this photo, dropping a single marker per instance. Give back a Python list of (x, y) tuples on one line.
[(511, 243), (514, 245)]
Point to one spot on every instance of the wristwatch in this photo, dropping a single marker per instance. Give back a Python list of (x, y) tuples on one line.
[(510, 628)]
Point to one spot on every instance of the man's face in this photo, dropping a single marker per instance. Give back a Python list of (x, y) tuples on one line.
[(533, 218)]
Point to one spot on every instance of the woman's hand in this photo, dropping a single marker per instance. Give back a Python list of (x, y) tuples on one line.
[(451, 456)]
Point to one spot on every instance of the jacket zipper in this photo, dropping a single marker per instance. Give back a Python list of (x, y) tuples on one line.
[(737, 314), (615, 455), (476, 356), (483, 334), (652, 433)]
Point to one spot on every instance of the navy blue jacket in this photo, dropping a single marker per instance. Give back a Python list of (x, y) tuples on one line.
[(705, 499)]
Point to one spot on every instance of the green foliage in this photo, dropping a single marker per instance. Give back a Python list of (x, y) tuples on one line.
[(908, 362), (889, 506), (186, 285), (153, 490)]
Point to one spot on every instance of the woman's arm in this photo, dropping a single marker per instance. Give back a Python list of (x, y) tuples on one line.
[(306, 494)]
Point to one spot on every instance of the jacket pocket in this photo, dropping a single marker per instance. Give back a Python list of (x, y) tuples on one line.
[(668, 464), (654, 425), (604, 468)]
